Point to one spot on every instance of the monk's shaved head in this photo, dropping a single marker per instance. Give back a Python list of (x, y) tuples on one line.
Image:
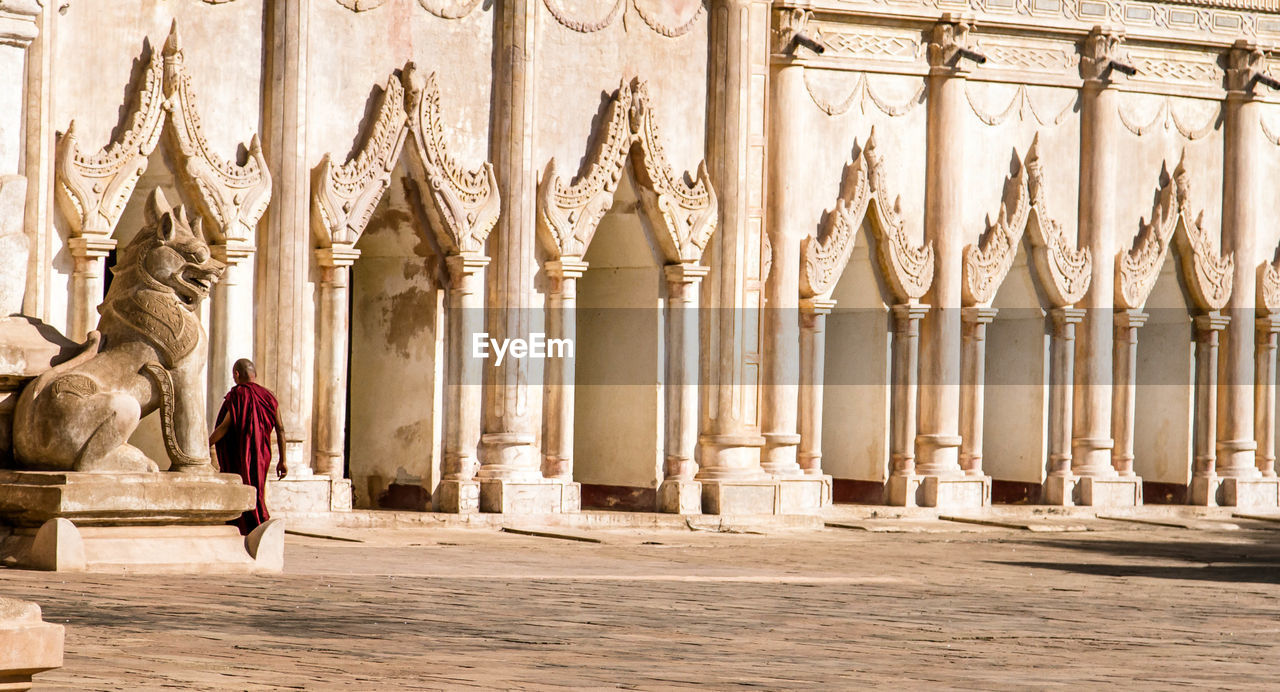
[(244, 371)]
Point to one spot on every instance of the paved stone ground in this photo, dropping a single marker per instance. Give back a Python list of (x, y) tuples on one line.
[(947, 605)]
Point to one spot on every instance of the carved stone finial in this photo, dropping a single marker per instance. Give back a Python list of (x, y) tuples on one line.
[(1101, 52)]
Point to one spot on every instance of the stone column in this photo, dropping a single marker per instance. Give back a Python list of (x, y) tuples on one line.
[(1062, 345), (458, 491), (284, 328), (813, 353), (730, 440), (938, 438), (904, 387), (89, 254), (1241, 225), (1124, 403), (38, 161), (973, 355), (679, 493), (333, 334), (1264, 402), (1091, 442), (788, 192), (229, 332), (1204, 463), (557, 405)]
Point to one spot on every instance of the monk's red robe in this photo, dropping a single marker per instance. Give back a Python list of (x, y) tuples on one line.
[(246, 448)]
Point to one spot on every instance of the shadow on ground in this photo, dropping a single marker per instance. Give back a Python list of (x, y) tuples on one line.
[(1246, 556)]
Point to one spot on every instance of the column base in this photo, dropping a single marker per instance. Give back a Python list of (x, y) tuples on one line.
[(526, 498), (457, 497), (1090, 491), (309, 494), (61, 546), (28, 644), (801, 495), (1214, 491), (680, 497), (953, 492)]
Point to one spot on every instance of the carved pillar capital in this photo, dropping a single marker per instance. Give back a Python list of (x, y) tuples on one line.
[(816, 306), (1102, 57), (685, 273), (1130, 318), (232, 252), (1266, 327), (950, 46), (566, 268), (465, 265), (978, 315), (18, 22), (1246, 64), (91, 246), (1208, 325), (789, 31), (907, 316), (337, 256), (1063, 317)]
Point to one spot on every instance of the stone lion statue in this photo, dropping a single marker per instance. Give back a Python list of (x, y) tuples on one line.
[(148, 353)]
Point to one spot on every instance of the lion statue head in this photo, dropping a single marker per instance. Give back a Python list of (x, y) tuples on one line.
[(168, 255)]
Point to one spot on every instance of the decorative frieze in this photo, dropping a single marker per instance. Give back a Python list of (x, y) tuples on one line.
[(449, 9), (1167, 118), (1022, 107), (862, 94), (584, 26), (655, 15)]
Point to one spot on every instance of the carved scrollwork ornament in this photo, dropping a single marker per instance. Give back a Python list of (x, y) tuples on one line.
[(568, 215), (651, 18), (233, 197), (343, 197), (1065, 271), (92, 190), (987, 263), (1206, 273), (462, 204), (907, 268), (688, 213), (583, 26), (449, 9)]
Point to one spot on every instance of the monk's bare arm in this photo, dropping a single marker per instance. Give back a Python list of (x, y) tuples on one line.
[(220, 431), (281, 468)]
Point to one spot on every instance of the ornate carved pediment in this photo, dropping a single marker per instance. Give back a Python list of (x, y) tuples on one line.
[(343, 197), (1206, 273), (907, 268), (463, 205), (231, 196), (92, 190), (568, 215), (683, 215), (1064, 270), (986, 264)]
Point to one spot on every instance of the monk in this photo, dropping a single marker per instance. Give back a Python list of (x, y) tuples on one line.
[(243, 438)]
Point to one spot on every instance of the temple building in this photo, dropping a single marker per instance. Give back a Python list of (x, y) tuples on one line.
[(721, 256)]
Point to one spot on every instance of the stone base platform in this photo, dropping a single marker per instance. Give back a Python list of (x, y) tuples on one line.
[(529, 498), (61, 546), (680, 497), (1258, 493), (1087, 491), (956, 492), (457, 497), (309, 494), (142, 522), (799, 495), (28, 644)]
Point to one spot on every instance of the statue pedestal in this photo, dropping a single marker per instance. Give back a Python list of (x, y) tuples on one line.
[(28, 644), (141, 522)]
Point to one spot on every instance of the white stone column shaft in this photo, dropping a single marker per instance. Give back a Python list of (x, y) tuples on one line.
[(738, 45), (230, 335), (1207, 330), (89, 255), (333, 336), (558, 398), (904, 375), (284, 331), (1061, 373), (1264, 406), (788, 192), (813, 353), (973, 358), (938, 439), (1124, 403), (682, 370), (1241, 226), (465, 298), (507, 445)]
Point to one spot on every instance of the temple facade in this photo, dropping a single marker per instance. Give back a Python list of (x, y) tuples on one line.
[(732, 256)]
